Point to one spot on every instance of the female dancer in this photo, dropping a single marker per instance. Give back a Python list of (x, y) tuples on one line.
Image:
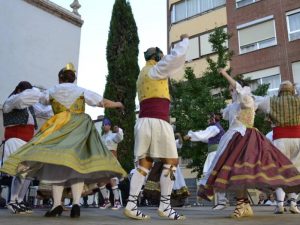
[(67, 151), (245, 158)]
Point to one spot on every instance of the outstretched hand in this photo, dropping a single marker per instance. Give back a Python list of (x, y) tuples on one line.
[(186, 138)]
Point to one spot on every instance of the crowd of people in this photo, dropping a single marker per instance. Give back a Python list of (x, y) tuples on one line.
[(67, 152)]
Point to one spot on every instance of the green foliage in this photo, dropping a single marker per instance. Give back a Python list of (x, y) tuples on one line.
[(195, 98), (122, 60)]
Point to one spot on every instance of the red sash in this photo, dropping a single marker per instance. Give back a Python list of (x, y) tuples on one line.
[(286, 132), (23, 132), (158, 108)]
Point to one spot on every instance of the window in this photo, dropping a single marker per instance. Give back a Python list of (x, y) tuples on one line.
[(193, 50), (296, 72), (192, 7), (241, 3), (205, 45), (188, 8), (200, 46), (293, 24), (179, 11), (257, 35), (267, 76)]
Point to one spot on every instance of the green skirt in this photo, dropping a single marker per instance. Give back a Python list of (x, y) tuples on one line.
[(67, 149)]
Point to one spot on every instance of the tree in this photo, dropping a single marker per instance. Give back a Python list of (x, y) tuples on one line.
[(122, 60), (195, 98)]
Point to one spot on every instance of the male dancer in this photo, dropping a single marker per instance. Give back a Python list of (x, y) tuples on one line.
[(284, 113), (154, 136), (212, 136)]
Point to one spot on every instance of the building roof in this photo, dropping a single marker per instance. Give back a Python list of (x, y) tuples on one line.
[(57, 11)]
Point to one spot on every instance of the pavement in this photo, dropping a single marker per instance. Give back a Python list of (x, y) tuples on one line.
[(195, 216)]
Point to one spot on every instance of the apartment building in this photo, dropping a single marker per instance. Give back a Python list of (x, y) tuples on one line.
[(265, 40), (198, 18)]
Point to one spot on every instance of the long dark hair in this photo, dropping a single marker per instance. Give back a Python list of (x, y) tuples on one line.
[(22, 86)]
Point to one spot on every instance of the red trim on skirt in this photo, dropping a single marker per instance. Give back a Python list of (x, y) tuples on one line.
[(286, 132), (23, 132)]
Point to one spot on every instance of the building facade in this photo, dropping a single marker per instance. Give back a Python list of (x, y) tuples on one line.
[(37, 39), (265, 40), (198, 18)]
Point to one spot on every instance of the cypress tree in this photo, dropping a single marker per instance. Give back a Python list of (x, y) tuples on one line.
[(122, 60)]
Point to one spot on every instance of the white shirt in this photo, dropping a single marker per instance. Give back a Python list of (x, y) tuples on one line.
[(67, 93), (111, 140), (171, 63), (204, 135), (25, 99)]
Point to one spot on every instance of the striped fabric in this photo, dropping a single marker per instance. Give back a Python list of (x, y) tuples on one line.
[(285, 110)]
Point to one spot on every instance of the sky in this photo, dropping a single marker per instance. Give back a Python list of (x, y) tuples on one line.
[(151, 20)]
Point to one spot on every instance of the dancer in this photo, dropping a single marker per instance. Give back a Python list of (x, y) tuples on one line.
[(19, 117), (245, 158), (152, 192), (212, 136), (111, 140), (180, 190), (67, 151), (154, 137), (283, 110)]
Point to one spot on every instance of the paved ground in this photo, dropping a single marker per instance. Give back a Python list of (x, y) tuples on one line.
[(195, 215)]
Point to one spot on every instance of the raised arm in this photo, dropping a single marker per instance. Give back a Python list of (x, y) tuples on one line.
[(231, 81), (172, 62), (119, 134)]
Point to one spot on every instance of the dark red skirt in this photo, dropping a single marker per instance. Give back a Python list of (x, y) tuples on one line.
[(252, 161)]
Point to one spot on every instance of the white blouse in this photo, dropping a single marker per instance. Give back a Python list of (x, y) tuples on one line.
[(29, 97), (67, 93), (111, 140), (243, 96)]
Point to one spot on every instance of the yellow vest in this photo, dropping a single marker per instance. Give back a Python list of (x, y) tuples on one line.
[(150, 88)]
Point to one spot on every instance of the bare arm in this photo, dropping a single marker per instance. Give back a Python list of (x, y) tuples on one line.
[(231, 81), (105, 103)]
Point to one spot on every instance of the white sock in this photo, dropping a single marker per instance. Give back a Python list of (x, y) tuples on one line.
[(57, 191), (166, 185), (16, 185), (76, 192), (293, 196), (23, 190), (221, 197), (280, 194), (104, 192), (115, 190), (136, 183)]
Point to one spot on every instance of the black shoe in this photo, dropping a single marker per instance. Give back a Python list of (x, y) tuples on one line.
[(15, 208), (75, 211), (57, 211), (25, 207)]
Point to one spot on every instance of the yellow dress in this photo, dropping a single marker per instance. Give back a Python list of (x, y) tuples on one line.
[(67, 148)]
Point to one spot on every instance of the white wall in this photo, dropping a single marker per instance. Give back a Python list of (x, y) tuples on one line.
[(34, 46)]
